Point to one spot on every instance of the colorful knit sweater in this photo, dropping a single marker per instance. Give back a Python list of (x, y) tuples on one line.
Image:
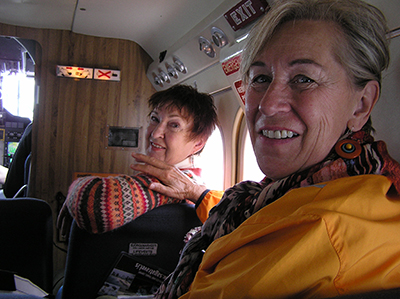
[(101, 204)]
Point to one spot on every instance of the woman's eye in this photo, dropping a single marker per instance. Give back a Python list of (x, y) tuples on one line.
[(260, 79), (154, 119), (301, 79), (174, 125)]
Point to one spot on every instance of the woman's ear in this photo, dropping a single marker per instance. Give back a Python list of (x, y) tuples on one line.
[(199, 144), (369, 97)]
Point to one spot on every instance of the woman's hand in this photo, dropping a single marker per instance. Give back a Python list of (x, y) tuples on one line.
[(174, 182)]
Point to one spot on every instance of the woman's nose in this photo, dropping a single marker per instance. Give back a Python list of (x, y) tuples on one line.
[(276, 99), (158, 131)]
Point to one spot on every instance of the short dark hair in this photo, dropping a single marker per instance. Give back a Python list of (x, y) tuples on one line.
[(192, 103)]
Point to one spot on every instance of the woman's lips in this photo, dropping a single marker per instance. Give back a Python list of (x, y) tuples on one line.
[(156, 145)]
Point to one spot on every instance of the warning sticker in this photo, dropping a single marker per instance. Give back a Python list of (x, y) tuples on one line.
[(110, 75), (143, 248), (240, 91), (232, 65)]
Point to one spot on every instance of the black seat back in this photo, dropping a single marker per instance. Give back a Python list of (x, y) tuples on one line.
[(26, 239), (91, 256)]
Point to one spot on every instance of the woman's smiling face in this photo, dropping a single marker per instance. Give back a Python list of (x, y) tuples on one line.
[(168, 136), (299, 99)]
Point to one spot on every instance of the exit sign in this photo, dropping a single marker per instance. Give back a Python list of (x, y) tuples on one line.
[(245, 12)]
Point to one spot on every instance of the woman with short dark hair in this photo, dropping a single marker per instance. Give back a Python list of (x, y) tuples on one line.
[(180, 122)]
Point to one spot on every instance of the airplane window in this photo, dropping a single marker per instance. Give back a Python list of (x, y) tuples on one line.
[(18, 92), (251, 171), (212, 162), (17, 75)]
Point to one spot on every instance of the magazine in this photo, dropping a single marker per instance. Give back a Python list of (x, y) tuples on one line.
[(131, 277), (16, 284)]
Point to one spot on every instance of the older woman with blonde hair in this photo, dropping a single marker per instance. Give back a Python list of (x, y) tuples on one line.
[(325, 221)]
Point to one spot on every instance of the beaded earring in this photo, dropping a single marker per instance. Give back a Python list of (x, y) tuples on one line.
[(348, 149), (191, 161)]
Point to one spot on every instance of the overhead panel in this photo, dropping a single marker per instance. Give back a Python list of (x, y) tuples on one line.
[(208, 47)]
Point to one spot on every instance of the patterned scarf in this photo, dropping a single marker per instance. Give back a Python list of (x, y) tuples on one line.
[(246, 198)]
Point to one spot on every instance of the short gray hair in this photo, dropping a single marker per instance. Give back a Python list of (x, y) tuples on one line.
[(365, 52)]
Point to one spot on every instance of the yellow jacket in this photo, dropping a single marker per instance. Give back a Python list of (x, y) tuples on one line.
[(207, 203), (335, 238)]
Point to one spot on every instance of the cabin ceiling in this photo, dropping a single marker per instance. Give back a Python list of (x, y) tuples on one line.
[(154, 24)]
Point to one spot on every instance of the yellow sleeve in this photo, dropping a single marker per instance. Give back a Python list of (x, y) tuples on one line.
[(207, 202)]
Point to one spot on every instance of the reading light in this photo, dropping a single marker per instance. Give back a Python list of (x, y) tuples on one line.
[(206, 47), (219, 37), (179, 66)]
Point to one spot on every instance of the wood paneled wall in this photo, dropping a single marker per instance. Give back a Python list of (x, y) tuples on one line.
[(71, 117)]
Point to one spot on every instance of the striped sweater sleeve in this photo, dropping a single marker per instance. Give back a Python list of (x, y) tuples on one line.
[(101, 204)]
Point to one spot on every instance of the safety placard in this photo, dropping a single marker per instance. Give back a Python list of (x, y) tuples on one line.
[(104, 74), (240, 91), (232, 64), (79, 72), (74, 72)]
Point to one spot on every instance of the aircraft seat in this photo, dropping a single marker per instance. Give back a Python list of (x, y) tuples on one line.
[(91, 256), (26, 239)]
